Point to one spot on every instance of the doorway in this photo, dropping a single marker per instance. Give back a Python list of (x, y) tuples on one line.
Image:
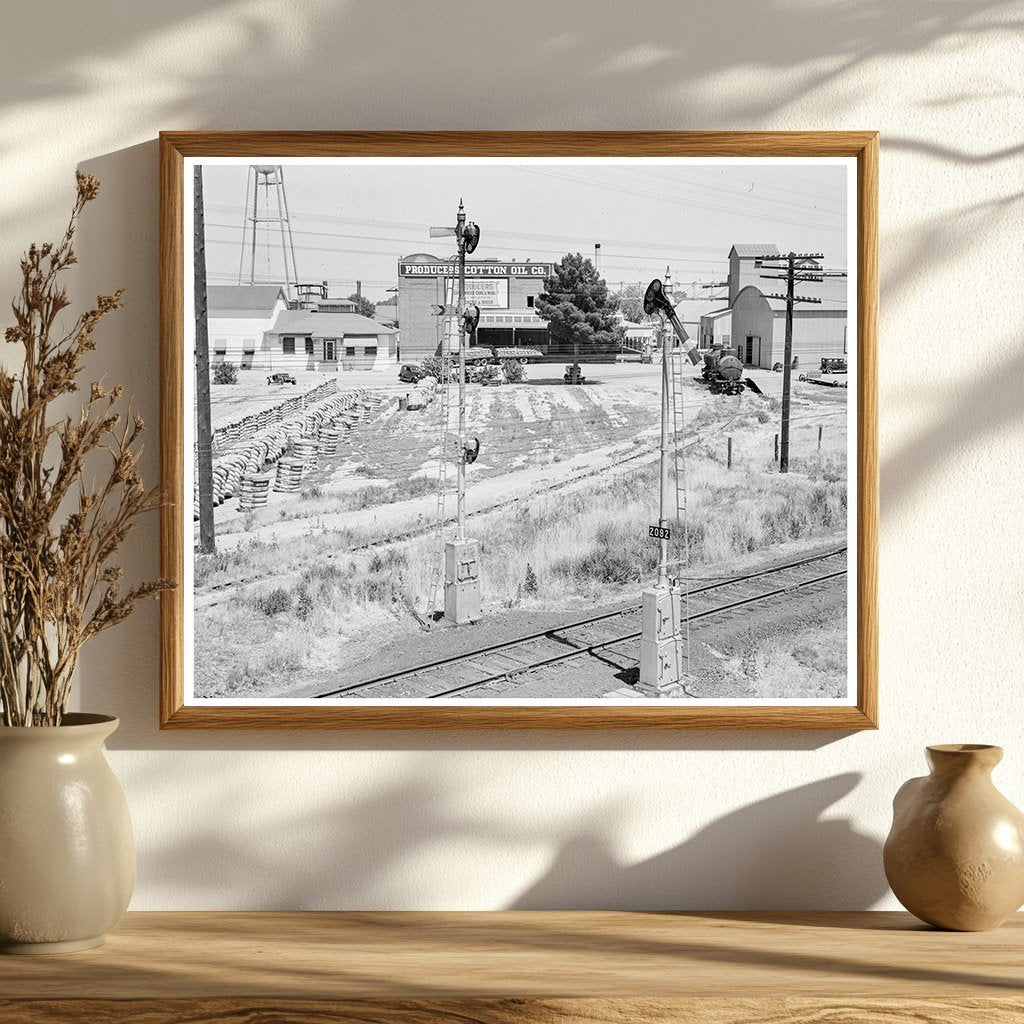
[(752, 356)]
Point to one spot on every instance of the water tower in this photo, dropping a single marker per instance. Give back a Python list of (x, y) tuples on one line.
[(268, 251)]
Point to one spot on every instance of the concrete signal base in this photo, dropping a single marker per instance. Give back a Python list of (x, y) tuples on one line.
[(663, 665), (462, 582)]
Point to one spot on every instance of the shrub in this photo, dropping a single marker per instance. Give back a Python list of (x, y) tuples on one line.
[(433, 366), (303, 602), (225, 373), (312, 491), (274, 603), (514, 371), (530, 581)]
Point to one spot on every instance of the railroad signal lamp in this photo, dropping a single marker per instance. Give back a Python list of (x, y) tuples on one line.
[(470, 318), (471, 236), (654, 298)]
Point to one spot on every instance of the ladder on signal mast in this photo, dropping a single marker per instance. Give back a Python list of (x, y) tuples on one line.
[(444, 490), (677, 380)]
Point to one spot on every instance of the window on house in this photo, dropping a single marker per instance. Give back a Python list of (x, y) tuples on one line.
[(309, 346), (249, 346), (350, 350), (288, 346), (370, 350), (529, 301)]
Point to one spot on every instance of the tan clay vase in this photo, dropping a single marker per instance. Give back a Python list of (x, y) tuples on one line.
[(67, 857), (955, 855)]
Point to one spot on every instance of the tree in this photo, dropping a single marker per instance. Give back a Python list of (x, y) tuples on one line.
[(631, 304), (364, 307), (579, 308)]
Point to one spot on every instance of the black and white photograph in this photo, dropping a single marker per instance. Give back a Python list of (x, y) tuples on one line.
[(530, 431)]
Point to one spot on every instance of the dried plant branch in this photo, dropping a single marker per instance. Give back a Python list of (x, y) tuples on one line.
[(58, 586)]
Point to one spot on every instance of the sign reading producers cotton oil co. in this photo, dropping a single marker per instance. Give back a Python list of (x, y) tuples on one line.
[(505, 292)]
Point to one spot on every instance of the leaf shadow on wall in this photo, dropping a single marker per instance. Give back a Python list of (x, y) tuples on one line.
[(778, 853), (781, 852)]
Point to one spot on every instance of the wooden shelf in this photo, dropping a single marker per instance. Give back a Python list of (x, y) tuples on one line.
[(424, 968)]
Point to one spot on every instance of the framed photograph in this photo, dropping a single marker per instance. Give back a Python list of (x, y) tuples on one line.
[(519, 430)]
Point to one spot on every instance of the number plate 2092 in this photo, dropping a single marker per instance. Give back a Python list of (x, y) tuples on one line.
[(659, 532)]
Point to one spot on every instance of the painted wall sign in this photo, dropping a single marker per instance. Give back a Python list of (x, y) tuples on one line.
[(477, 270)]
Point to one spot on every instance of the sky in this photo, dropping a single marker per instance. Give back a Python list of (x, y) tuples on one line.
[(353, 221)]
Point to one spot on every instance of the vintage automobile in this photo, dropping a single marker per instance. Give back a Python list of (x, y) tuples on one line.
[(411, 374), (833, 366), (280, 378)]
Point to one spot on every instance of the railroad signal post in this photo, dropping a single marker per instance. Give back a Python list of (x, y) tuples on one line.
[(462, 604), (664, 661)]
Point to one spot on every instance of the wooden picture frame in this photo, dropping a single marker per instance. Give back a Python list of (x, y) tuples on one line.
[(175, 187)]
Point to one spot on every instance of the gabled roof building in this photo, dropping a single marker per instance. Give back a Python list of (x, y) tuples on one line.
[(753, 325)]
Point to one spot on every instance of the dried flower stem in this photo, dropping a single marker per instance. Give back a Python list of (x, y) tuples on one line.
[(58, 588)]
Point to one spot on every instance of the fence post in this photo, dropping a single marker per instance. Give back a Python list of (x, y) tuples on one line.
[(728, 456), (776, 458), (820, 428)]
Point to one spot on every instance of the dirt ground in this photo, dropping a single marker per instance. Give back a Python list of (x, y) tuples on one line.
[(545, 446)]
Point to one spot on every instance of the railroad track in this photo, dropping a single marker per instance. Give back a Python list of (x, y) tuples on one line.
[(595, 636)]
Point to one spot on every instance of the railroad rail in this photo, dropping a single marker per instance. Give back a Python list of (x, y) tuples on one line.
[(462, 673)]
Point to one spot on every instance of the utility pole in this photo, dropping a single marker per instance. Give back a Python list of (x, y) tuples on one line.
[(204, 429), (791, 274)]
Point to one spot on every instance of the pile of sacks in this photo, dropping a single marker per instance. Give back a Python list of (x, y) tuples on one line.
[(244, 461), (423, 394), (230, 435)]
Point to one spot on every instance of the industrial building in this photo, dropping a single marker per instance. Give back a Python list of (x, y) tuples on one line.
[(256, 328), (237, 318), (505, 293), (753, 325)]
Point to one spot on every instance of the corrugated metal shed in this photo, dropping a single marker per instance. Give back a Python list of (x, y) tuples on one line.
[(754, 249)]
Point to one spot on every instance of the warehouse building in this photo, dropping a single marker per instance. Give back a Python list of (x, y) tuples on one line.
[(505, 293), (237, 318), (753, 326)]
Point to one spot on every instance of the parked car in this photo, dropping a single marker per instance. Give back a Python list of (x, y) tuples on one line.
[(280, 378), (411, 374), (833, 366)]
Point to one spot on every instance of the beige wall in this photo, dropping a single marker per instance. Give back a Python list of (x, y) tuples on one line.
[(280, 820)]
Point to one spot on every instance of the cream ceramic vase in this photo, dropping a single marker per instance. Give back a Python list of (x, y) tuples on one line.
[(67, 856), (955, 855)]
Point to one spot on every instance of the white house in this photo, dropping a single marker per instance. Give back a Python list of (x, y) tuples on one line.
[(302, 339)]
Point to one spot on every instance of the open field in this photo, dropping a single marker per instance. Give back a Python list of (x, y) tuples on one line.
[(325, 583)]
